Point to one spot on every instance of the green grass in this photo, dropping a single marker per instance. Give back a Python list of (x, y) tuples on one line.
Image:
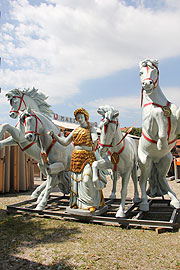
[(30, 242)]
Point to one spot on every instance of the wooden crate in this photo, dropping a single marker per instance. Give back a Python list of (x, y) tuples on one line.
[(16, 169)]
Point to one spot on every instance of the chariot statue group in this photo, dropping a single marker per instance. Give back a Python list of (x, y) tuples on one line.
[(79, 163)]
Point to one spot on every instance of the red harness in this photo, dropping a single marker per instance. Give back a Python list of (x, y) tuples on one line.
[(35, 132), (37, 119), (21, 100), (110, 145), (154, 82), (169, 124)]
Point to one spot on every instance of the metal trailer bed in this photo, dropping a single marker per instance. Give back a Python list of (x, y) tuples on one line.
[(161, 215)]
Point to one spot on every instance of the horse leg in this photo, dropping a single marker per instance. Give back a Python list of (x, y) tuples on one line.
[(38, 190), (7, 142), (64, 182), (99, 164), (51, 183), (42, 203), (12, 130), (163, 167), (136, 198), (54, 183), (125, 181), (113, 192), (145, 172)]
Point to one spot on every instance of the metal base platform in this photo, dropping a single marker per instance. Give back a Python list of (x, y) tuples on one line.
[(160, 215)]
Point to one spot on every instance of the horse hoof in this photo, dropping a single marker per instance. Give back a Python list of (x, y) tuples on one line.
[(120, 214), (39, 207), (112, 196), (136, 200), (34, 195), (175, 204), (144, 207)]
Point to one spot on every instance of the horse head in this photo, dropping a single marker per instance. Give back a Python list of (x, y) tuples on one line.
[(17, 102), (31, 123), (149, 75), (108, 127), (21, 99)]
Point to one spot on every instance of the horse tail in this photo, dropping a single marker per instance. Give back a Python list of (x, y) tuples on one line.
[(155, 189)]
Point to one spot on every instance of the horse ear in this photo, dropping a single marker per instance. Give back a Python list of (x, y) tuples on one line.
[(155, 62), (29, 109), (143, 63), (9, 96), (100, 110), (116, 114)]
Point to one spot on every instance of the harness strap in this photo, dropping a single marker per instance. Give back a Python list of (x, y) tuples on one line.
[(153, 141), (37, 118), (169, 118), (28, 146), (119, 152), (51, 145)]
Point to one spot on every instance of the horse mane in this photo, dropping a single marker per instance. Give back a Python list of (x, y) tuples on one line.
[(108, 112), (38, 97)]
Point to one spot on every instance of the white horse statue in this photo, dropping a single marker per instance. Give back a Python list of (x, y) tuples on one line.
[(160, 125), (55, 157), (20, 100), (123, 152)]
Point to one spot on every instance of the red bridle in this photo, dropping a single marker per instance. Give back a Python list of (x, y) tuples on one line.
[(35, 132), (21, 100), (154, 82), (105, 130), (36, 127)]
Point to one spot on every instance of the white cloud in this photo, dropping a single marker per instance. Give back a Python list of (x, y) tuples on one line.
[(55, 45), (128, 107), (172, 94)]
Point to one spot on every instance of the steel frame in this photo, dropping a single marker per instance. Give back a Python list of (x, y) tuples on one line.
[(160, 215)]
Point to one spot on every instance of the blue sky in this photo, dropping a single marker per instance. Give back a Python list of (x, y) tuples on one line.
[(86, 53)]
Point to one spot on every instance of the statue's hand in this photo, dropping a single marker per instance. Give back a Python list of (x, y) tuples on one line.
[(51, 133), (162, 144)]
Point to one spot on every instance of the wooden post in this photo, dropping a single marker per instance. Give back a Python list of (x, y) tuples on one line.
[(2, 156), (22, 171), (7, 169)]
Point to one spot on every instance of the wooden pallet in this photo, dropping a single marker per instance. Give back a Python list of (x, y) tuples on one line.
[(161, 215)]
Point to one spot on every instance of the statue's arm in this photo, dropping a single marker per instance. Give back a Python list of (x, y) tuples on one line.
[(62, 140)]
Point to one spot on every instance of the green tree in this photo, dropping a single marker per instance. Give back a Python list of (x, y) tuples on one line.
[(136, 131)]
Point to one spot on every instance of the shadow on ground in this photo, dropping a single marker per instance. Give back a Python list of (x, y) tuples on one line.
[(16, 263), (25, 231)]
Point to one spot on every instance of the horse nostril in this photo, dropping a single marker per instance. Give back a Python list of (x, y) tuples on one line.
[(29, 137)]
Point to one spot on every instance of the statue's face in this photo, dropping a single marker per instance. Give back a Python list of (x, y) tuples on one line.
[(81, 118)]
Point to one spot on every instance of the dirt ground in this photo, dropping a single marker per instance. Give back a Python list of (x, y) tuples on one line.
[(31, 242)]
